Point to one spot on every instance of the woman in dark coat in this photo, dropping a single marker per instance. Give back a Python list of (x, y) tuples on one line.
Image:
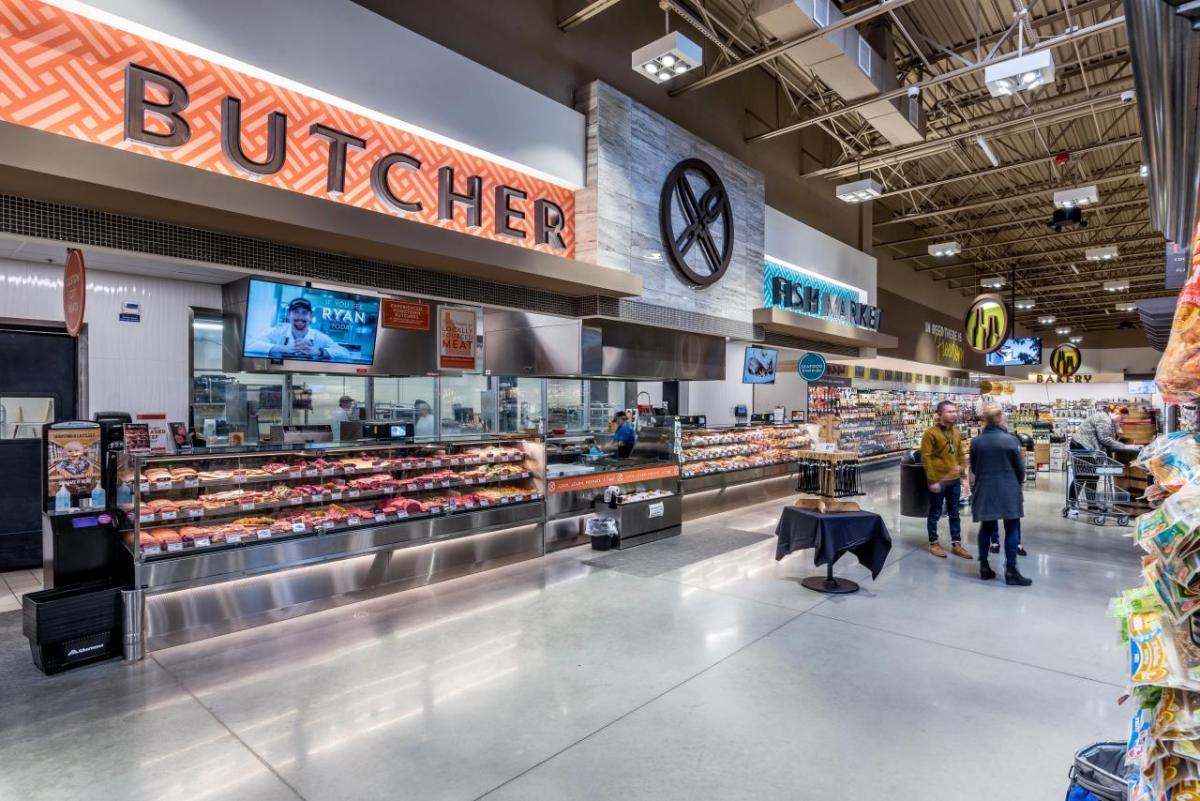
[(997, 473)]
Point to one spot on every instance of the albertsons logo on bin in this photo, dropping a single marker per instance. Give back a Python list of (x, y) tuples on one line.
[(811, 367)]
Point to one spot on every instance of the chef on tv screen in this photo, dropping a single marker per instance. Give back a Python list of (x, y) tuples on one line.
[(290, 322)]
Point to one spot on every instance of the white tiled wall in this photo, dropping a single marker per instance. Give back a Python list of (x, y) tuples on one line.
[(133, 367)]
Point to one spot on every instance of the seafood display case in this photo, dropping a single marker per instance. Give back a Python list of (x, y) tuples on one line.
[(222, 539)]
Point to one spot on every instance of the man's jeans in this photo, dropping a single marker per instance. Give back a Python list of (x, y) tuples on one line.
[(950, 494)]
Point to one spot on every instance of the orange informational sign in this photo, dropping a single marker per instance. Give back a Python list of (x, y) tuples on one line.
[(68, 74), (74, 291), (456, 338), (596, 481), (406, 315)]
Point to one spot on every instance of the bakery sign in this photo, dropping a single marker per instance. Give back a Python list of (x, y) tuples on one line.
[(68, 74), (795, 289)]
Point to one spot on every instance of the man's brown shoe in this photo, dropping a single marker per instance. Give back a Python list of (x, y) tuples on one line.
[(937, 550), (958, 550)]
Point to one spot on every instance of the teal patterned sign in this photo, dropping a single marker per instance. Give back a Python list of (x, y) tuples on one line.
[(803, 293)]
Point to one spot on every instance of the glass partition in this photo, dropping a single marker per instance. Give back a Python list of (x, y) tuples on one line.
[(565, 405), (408, 399), (465, 402), (519, 404)]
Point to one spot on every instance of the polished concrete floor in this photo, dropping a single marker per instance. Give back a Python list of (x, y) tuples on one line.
[(694, 668)]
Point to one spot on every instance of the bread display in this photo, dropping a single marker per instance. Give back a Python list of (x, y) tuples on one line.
[(705, 452), (235, 499)]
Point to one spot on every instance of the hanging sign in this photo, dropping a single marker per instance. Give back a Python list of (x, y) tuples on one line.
[(986, 323), (1065, 360), (405, 315), (456, 338), (811, 367), (74, 291)]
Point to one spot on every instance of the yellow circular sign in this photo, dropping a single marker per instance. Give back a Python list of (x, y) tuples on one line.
[(986, 323), (1065, 360)]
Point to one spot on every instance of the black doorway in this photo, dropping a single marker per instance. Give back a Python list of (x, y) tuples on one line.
[(38, 380)]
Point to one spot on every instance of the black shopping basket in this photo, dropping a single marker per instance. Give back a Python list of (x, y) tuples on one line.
[(1099, 769)]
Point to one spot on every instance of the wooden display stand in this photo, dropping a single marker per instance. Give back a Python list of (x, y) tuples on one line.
[(828, 480)]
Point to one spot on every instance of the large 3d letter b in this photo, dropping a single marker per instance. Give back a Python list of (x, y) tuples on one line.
[(169, 114)]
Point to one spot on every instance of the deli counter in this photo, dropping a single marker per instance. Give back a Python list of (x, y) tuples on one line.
[(222, 539)]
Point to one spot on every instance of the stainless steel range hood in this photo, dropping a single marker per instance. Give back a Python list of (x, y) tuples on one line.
[(524, 344)]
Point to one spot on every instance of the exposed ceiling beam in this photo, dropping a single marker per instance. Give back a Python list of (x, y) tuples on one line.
[(951, 75), (778, 49), (1089, 270), (584, 14), (1038, 220), (969, 204), (999, 243), (1015, 165), (933, 147), (1052, 267)]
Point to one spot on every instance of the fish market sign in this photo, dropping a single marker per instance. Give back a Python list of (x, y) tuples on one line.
[(803, 292)]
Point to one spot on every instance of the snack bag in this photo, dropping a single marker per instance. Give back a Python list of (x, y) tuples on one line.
[(1178, 374), (1148, 649)]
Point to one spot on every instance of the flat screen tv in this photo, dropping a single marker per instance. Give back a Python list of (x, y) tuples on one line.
[(759, 366), (1020, 352), (285, 321)]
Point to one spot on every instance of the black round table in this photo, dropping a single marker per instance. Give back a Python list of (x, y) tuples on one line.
[(831, 534)]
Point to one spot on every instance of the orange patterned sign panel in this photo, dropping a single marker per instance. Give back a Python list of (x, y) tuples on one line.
[(595, 481), (67, 74)]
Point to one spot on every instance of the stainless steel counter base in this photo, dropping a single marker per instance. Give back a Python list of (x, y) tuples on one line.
[(722, 492), (199, 598)]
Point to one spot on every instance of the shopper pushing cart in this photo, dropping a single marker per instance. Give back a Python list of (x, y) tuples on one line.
[(1090, 470)]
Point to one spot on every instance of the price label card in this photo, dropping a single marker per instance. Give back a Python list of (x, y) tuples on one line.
[(146, 517), (427, 485), (406, 465), (239, 479), (233, 539), (380, 517), (468, 505), (353, 521), (316, 498), (468, 481), (327, 471), (295, 501), (162, 485), (246, 507), (327, 524), (485, 502), (195, 513), (264, 533), (401, 515), (435, 462), (353, 494), (202, 542), (335, 496), (296, 474), (504, 499), (174, 546), (311, 473), (167, 515), (389, 490), (144, 486), (349, 469), (151, 550), (433, 510), (191, 483), (298, 528)]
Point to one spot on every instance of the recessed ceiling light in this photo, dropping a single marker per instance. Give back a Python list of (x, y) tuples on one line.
[(1076, 340), (992, 282), (1047, 319), (1063, 330), (1102, 254), (1020, 73), (1025, 305), (945, 249)]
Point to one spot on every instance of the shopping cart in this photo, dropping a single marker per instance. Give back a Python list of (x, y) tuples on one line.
[(1091, 489)]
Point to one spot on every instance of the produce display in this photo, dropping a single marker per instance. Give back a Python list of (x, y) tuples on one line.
[(249, 497), (709, 451), (1160, 630)]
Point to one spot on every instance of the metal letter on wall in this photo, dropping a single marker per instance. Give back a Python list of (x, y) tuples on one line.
[(707, 223)]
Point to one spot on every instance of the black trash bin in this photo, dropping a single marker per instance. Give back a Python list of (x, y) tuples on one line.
[(914, 488), (72, 626)]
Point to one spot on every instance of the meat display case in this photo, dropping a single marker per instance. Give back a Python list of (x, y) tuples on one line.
[(726, 468), (216, 536)]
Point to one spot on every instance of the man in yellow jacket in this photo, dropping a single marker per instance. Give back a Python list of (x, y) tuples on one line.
[(944, 457)]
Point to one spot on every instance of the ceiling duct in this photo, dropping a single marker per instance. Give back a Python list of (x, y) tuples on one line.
[(846, 63), (1166, 66)]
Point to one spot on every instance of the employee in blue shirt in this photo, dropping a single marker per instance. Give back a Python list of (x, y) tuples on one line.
[(625, 435)]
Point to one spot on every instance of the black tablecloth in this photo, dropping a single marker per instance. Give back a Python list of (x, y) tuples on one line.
[(832, 534)]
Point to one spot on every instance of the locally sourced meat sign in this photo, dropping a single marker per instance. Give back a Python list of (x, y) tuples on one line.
[(68, 73), (508, 201)]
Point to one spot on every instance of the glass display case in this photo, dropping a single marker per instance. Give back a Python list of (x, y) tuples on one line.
[(709, 451), (225, 498)]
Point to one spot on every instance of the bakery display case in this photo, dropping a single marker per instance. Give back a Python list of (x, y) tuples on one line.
[(194, 523)]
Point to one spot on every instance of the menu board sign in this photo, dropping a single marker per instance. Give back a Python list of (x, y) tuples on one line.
[(72, 457), (456, 338)]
